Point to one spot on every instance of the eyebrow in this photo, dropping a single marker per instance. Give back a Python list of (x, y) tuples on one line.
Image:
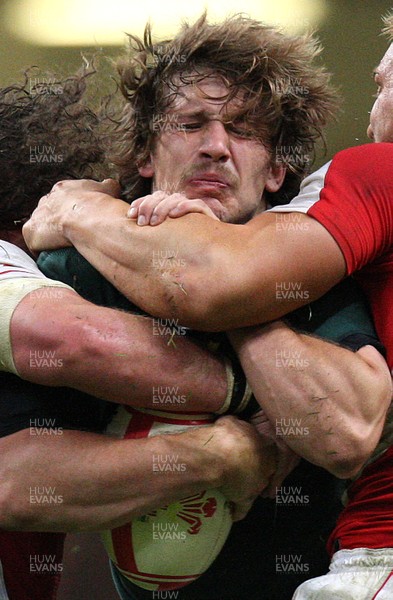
[(207, 116), (198, 114)]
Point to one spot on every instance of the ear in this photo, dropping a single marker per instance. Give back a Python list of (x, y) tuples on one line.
[(147, 169), (275, 177)]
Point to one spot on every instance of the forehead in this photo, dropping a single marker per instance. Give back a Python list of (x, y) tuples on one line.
[(205, 91), (385, 67)]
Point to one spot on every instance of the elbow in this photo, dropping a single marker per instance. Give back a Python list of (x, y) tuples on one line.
[(347, 465), (356, 448), (347, 456), (365, 430)]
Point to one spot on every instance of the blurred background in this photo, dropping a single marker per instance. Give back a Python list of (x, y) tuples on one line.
[(53, 33)]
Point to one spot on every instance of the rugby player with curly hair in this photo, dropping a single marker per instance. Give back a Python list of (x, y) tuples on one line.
[(210, 115), (47, 133)]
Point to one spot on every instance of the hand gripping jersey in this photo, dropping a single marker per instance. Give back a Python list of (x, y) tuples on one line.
[(356, 207)]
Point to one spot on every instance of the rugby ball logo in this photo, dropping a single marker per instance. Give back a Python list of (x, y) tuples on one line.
[(172, 546)]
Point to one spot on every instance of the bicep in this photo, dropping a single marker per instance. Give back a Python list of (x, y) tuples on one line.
[(269, 271), (296, 264)]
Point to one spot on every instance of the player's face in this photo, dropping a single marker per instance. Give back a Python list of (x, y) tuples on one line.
[(381, 117), (205, 150)]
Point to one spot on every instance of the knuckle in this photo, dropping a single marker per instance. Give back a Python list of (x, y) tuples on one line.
[(60, 184), (144, 203), (159, 210), (185, 203)]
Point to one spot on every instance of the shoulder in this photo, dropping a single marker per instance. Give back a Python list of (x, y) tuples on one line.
[(362, 156)]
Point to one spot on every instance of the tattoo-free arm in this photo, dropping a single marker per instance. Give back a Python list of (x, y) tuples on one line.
[(101, 482), (326, 402), (221, 275), (111, 354)]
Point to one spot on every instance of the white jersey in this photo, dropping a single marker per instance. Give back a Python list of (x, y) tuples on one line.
[(15, 263), (309, 192), (19, 276)]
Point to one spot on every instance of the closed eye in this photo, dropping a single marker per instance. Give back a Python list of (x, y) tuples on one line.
[(190, 126), (240, 130)]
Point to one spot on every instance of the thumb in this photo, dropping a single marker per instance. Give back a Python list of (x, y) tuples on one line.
[(111, 187)]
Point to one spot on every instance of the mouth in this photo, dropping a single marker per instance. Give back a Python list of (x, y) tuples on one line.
[(208, 180)]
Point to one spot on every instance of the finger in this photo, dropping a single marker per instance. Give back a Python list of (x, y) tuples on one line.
[(31, 234), (192, 206), (43, 201), (111, 187), (154, 214), (133, 210), (147, 206), (163, 208), (27, 234), (286, 464)]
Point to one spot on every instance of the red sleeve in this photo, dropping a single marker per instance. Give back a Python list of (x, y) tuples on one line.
[(356, 204)]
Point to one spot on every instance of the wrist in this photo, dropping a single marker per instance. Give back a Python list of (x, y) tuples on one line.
[(207, 446), (79, 217), (69, 220), (243, 338), (239, 392)]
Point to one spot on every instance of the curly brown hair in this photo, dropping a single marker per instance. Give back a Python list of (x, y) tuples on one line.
[(289, 99), (47, 133)]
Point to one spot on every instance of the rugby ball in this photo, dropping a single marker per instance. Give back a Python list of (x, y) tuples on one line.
[(172, 546)]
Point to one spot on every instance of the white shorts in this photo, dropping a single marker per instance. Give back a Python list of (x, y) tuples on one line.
[(360, 574)]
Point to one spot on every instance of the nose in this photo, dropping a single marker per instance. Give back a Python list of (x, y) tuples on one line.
[(215, 142)]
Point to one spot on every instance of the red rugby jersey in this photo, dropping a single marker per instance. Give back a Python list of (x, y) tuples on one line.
[(352, 197)]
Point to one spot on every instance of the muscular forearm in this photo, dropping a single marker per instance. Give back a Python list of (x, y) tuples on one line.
[(327, 403), (82, 481), (60, 339), (215, 269)]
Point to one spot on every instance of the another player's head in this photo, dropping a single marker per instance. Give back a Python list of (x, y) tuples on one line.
[(381, 116), (47, 133), (238, 101)]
